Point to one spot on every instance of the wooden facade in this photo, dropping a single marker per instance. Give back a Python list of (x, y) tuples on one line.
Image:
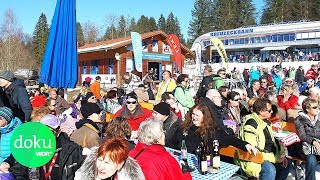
[(103, 54)]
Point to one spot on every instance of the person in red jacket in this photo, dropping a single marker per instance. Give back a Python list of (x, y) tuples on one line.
[(133, 112), (154, 160), (312, 73), (287, 100)]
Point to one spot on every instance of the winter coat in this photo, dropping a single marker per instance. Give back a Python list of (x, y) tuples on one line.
[(112, 106), (311, 74), (5, 137), (216, 114), (86, 134), (299, 77), (203, 87), (141, 94), (17, 99), (61, 105), (184, 96), (277, 80), (134, 120), (88, 171), (192, 138), (290, 104), (157, 163), (306, 130), (251, 94), (218, 82), (165, 87), (258, 133), (95, 89), (170, 126), (69, 160), (254, 75)]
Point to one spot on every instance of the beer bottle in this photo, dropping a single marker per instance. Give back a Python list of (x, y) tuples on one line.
[(215, 157), (203, 160)]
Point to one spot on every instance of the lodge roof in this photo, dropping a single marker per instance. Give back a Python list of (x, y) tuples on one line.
[(120, 42)]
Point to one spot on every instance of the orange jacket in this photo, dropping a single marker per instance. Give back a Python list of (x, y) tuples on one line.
[(95, 89)]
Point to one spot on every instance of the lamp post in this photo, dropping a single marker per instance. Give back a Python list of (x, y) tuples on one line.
[(118, 58)]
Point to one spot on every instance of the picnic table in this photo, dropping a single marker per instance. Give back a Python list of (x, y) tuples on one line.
[(225, 172)]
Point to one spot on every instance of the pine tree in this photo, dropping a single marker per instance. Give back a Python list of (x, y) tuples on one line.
[(110, 33), (203, 18), (80, 35), (152, 24), (40, 37), (162, 23), (142, 25), (133, 25), (122, 27), (170, 24)]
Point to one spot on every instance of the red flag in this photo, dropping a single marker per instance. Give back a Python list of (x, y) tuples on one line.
[(174, 44)]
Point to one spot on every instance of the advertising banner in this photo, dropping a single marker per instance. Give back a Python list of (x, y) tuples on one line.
[(221, 50), (137, 50), (174, 44)]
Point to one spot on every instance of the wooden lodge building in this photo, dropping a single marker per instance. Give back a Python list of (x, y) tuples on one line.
[(99, 58)]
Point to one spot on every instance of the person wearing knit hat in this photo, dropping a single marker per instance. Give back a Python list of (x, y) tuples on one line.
[(87, 132), (171, 122), (133, 112), (8, 123), (14, 95), (7, 75)]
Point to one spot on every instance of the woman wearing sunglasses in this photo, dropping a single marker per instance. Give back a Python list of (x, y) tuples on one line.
[(133, 112), (182, 93), (286, 99), (233, 110), (308, 126)]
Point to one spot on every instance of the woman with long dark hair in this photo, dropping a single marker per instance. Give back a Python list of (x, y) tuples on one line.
[(200, 126)]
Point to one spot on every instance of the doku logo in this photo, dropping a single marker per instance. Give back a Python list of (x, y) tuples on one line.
[(33, 144)]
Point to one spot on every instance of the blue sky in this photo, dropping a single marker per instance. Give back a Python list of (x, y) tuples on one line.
[(28, 11)]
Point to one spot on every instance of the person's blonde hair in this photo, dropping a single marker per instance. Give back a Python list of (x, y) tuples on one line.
[(38, 113)]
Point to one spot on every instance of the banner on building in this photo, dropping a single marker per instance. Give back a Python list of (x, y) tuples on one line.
[(137, 50), (198, 51), (221, 50), (174, 44)]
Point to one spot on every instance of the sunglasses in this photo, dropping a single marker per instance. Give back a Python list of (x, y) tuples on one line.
[(314, 107), (270, 111), (263, 81), (131, 102), (223, 73), (236, 99)]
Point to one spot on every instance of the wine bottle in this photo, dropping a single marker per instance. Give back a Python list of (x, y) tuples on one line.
[(215, 157), (184, 152), (208, 154)]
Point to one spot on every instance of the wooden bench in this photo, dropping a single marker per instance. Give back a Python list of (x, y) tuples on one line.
[(148, 106), (233, 152)]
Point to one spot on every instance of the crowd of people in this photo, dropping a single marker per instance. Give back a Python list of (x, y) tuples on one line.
[(131, 144)]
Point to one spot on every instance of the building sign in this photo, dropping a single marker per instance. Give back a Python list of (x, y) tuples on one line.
[(154, 56), (231, 32)]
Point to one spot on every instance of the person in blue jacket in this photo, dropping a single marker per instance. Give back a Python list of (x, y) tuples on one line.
[(8, 123)]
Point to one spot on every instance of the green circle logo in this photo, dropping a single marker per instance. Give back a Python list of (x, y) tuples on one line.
[(33, 144)]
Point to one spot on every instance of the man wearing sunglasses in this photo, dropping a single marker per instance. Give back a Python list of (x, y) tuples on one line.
[(256, 130)]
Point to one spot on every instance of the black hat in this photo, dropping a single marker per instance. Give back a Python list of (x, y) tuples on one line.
[(89, 108), (162, 108), (7, 75), (132, 95)]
